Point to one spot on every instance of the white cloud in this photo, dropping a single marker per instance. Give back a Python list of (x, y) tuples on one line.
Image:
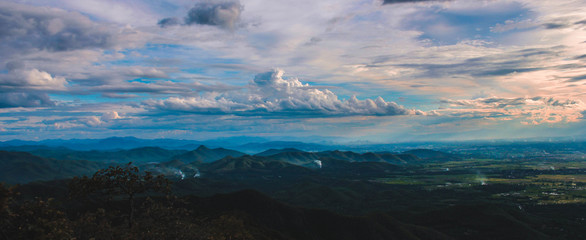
[(513, 25), (108, 116), (31, 79), (271, 94)]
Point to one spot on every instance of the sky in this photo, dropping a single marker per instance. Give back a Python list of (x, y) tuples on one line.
[(340, 71)]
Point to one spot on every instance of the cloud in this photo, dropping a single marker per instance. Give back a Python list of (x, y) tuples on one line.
[(490, 65), (510, 25), (271, 94), (221, 14), (91, 121), (122, 90), (146, 73), (43, 28), (27, 87), (202, 105), (31, 79), (109, 116), (577, 78), (410, 1), (534, 111), (167, 22), (24, 99), (496, 102), (95, 121), (554, 25)]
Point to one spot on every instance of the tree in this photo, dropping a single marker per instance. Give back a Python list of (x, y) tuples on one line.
[(119, 183), (31, 219)]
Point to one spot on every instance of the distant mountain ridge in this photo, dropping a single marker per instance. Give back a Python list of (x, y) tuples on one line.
[(204, 154), (256, 145), (248, 144), (217, 160), (136, 155)]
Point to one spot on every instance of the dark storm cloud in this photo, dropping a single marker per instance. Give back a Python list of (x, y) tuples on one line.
[(43, 28), (223, 14), (24, 99)]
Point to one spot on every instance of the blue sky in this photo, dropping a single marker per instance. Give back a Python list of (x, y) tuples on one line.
[(379, 71)]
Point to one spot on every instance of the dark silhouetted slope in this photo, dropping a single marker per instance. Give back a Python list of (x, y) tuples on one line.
[(482, 222), (342, 168), (21, 167), (280, 221)]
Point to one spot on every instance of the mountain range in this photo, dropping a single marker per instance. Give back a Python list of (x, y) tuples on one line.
[(60, 161)]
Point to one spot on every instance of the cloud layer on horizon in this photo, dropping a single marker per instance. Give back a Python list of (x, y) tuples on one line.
[(270, 94), (531, 111)]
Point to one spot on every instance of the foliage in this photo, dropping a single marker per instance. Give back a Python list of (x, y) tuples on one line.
[(119, 182), (149, 217), (31, 219)]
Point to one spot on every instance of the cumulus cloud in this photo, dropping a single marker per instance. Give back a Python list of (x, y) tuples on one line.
[(31, 79), (95, 121), (271, 94), (91, 121), (24, 99), (27, 88), (43, 28), (535, 110), (108, 116)]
